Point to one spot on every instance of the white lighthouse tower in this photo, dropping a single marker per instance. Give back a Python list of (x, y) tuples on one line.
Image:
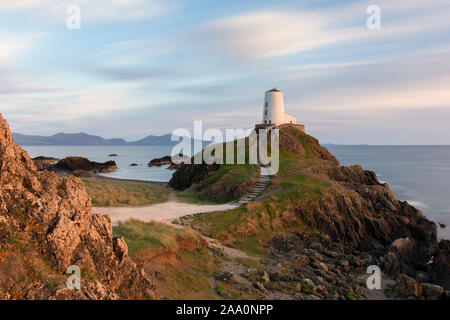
[(273, 111)]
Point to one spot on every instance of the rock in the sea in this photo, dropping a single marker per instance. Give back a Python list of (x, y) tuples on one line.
[(408, 287), (51, 217), (113, 155), (72, 164), (167, 160), (43, 163), (160, 161), (133, 165)]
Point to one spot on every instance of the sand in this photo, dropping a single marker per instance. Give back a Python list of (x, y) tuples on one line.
[(163, 212)]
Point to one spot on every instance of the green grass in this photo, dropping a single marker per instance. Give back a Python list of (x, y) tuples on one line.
[(214, 189), (249, 263), (302, 185), (141, 236), (108, 193)]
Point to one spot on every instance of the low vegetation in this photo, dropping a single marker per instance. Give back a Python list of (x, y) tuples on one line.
[(176, 260), (23, 271), (141, 236), (109, 193), (227, 184), (218, 183)]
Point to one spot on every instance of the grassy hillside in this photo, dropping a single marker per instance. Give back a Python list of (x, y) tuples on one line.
[(110, 193), (218, 183), (177, 261), (299, 183)]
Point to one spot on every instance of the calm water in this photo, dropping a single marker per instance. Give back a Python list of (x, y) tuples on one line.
[(126, 156), (417, 174)]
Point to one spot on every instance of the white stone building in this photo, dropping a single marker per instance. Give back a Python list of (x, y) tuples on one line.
[(273, 112)]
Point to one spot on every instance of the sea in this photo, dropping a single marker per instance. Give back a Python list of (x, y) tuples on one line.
[(417, 174)]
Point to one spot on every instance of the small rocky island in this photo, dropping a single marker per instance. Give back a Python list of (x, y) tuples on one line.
[(78, 166), (167, 160), (43, 163)]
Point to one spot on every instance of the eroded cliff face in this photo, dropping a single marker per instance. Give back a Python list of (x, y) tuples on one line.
[(46, 225)]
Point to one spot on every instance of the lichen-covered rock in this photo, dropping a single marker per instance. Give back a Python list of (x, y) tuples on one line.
[(46, 224)]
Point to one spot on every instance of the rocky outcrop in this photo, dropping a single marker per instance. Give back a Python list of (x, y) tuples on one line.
[(46, 225), (294, 140), (43, 163), (77, 164), (353, 219), (440, 268), (188, 174)]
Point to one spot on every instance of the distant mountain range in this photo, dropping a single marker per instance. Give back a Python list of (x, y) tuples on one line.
[(83, 139)]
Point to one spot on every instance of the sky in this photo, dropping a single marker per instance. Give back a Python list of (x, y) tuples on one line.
[(140, 67)]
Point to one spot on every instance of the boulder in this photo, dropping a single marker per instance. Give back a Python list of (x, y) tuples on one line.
[(259, 286), (440, 268), (432, 290), (266, 277), (408, 287), (227, 277)]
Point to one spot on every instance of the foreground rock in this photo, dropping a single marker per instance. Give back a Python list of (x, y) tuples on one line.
[(46, 225)]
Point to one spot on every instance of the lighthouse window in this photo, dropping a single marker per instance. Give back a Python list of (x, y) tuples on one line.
[(266, 105), (265, 112)]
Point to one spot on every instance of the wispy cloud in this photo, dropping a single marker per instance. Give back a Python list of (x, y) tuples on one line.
[(98, 11), (279, 32), (140, 66)]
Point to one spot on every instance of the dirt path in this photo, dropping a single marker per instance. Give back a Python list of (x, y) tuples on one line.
[(162, 212), (230, 252)]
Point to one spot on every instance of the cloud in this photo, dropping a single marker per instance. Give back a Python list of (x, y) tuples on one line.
[(268, 34), (98, 11), (11, 46), (130, 73), (280, 32)]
